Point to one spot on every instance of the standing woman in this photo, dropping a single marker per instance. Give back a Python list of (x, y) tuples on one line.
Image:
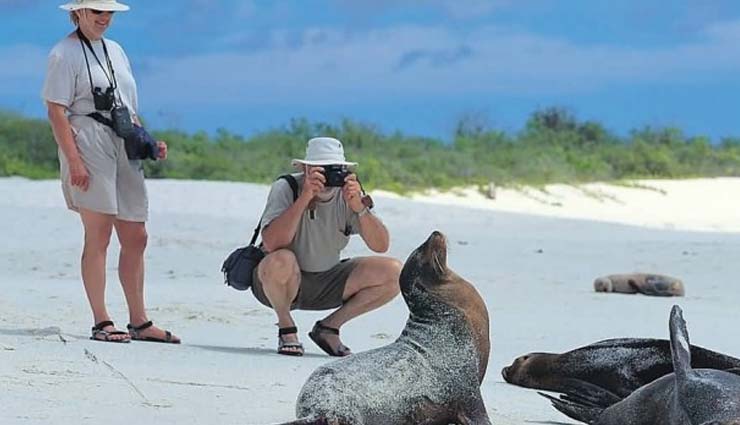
[(89, 75)]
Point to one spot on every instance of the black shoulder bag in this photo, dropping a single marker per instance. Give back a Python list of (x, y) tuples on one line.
[(240, 264)]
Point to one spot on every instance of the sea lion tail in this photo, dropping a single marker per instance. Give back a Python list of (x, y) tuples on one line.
[(577, 411), (680, 348)]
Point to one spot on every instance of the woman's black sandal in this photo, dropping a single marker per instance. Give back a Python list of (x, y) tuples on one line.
[(98, 331), (135, 332), (289, 348), (315, 335)]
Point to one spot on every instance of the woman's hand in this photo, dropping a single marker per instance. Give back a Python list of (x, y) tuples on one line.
[(161, 150), (78, 175)]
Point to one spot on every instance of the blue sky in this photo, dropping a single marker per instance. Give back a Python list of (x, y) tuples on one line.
[(417, 66)]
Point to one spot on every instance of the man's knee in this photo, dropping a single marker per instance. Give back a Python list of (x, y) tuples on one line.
[(384, 272), (279, 268), (392, 272)]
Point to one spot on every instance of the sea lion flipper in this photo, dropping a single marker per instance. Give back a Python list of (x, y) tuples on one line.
[(680, 348), (579, 412), (476, 414), (588, 394), (308, 421), (735, 370)]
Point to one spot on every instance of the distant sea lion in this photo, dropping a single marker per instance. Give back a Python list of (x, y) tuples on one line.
[(617, 365), (430, 375), (686, 397), (643, 283)]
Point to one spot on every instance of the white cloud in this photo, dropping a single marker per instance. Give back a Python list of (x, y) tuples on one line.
[(431, 61)]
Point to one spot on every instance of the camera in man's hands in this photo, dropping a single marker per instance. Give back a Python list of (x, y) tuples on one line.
[(104, 101), (335, 175)]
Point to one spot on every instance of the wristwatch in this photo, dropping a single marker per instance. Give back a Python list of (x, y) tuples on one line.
[(363, 211)]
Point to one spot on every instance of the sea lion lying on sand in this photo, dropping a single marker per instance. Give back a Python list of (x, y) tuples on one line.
[(430, 375), (643, 283), (686, 397), (618, 365)]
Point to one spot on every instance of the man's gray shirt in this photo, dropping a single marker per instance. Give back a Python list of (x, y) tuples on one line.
[(321, 234)]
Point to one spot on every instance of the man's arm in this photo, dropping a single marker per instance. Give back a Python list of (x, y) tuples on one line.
[(372, 230), (279, 233)]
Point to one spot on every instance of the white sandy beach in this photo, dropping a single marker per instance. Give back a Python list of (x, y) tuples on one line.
[(532, 254)]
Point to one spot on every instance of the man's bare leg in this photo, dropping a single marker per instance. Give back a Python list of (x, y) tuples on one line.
[(281, 278), (373, 283)]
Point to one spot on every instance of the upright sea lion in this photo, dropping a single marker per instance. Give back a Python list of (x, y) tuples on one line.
[(618, 365), (643, 283), (430, 375), (686, 397)]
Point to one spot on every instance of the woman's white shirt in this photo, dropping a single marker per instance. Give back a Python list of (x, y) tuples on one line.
[(67, 82)]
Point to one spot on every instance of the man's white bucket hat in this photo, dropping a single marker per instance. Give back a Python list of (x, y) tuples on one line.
[(104, 5), (324, 151)]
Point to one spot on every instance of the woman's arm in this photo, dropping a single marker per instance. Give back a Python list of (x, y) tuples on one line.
[(65, 139)]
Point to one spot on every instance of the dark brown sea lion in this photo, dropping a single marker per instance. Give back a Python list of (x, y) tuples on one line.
[(643, 283), (686, 397), (618, 365), (430, 375)]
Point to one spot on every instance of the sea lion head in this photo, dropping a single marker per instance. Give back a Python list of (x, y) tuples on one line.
[(603, 284), (533, 370), (425, 268), (436, 294)]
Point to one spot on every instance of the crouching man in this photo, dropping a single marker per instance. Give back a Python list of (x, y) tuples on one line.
[(303, 241)]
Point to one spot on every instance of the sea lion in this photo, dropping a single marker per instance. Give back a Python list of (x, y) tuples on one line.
[(618, 365), (686, 397), (643, 283), (430, 375)]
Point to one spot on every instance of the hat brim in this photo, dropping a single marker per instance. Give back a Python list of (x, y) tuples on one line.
[(298, 163), (115, 7)]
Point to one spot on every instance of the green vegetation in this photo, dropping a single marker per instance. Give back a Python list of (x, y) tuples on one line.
[(553, 147)]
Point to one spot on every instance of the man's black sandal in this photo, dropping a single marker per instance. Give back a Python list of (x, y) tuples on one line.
[(315, 335), (98, 334), (289, 348), (135, 332)]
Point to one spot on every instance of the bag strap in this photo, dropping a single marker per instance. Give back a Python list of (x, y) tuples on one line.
[(293, 187), (97, 116)]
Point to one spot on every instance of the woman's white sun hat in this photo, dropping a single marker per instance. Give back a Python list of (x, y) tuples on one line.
[(104, 5), (324, 151)]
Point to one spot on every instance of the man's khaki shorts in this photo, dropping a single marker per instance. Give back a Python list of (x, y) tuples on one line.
[(116, 183), (317, 291)]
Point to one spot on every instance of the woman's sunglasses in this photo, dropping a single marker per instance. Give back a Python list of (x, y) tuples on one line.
[(100, 12)]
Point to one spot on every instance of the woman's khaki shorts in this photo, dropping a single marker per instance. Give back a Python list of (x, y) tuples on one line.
[(116, 183), (317, 291)]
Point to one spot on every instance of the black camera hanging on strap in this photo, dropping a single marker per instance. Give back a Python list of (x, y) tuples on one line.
[(239, 266), (106, 100)]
